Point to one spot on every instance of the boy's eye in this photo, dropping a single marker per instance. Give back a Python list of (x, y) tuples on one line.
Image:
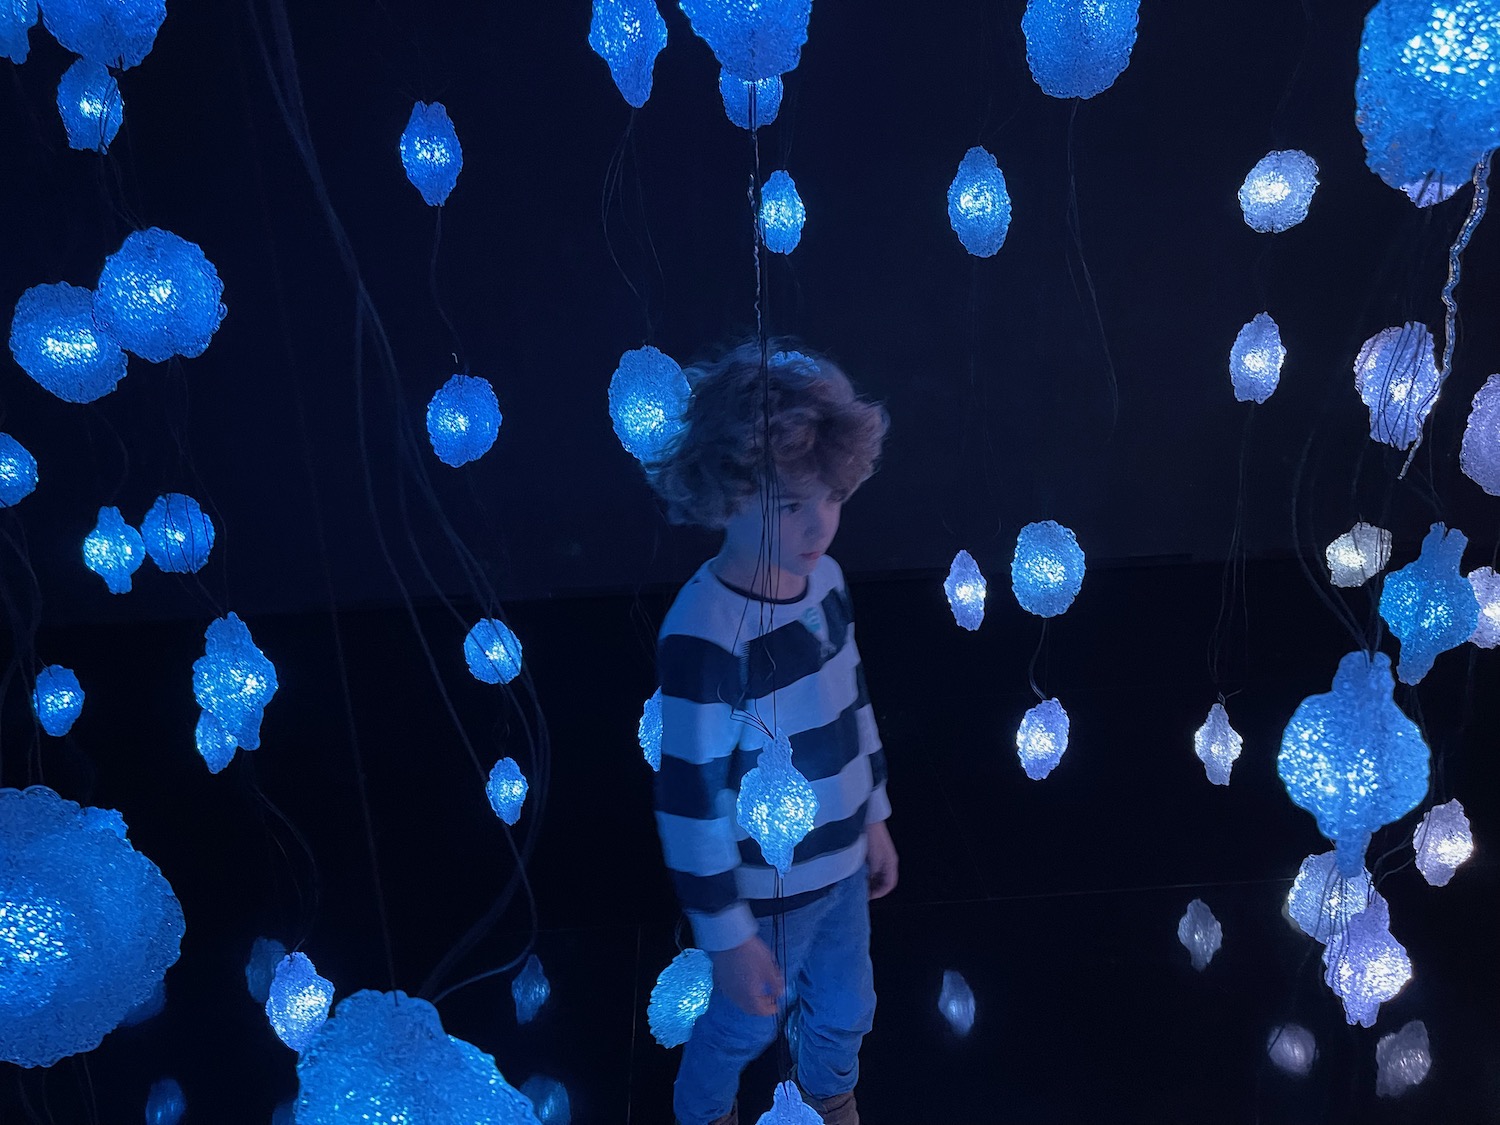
[(791, 509)]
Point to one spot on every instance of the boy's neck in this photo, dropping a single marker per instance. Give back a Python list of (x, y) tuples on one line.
[(755, 577)]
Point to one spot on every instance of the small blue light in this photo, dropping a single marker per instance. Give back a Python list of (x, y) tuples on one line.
[(463, 420), (1255, 360), (628, 35), (260, 967), (966, 589), (430, 152), (54, 340), (1278, 191), (57, 699), (17, 18), (679, 997), (735, 93), (1042, 738), (1397, 378), (649, 730), (956, 1002), (1200, 933), (979, 204), (1429, 605), (116, 33), (234, 680), (113, 550), (88, 99), (1217, 745), (493, 652), (165, 1104), (781, 214), (18, 475), (776, 804), (549, 1098), (1479, 454), (215, 744), (159, 296), (177, 533), (648, 394), (530, 990), (1077, 50), (1047, 571), (506, 790), (297, 1004), (752, 39)]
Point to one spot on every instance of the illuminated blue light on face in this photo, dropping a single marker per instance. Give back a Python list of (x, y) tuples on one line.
[(260, 967), (54, 340), (781, 214), (1217, 745), (1047, 570), (1479, 454), (1077, 48), (113, 550), (1278, 191), (549, 1098), (752, 39), (1323, 899), (1397, 378), (679, 997), (116, 33), (215, 744), (1200, 933), (530, 990), (979, 204), (234, 680), (57, 699), (649, 730), (1042, 738), (648, 394), (735, 93), (788, 1108), (628, 35), (463, 420), (298, 1001), (17, 17), (1429, 605), (1443, 842), (965, 588), (165, 1104), (1352, 759), (493, 652), (776, 804), (88, 99), (159, 296), (1366, 966), (956, 1002), (18, 475), (1255, 360), (177, 533), (506, 790), (430, 152)]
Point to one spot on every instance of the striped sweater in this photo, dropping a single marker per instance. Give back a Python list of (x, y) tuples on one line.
[(724, 657)]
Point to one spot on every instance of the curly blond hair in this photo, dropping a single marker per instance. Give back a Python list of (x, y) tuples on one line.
[(797, 403)]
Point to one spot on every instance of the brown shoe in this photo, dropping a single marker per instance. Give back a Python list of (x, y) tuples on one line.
[(730, 1118), (837, 1110)]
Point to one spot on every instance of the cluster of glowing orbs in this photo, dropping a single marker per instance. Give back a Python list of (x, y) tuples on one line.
[(549, 1100), (1397, 379), (463, 420), (956, 1002), (965, 588), (752, 39), (1278, 190), (1323, 899), (776, 804), (159, 296), (1200, 933), (492, 652), (1486, 584), (788, 1108), (1402, 1060), (1292, 1049), (57, 699), (628, 35), (1047, 570), (430, 152), (298, 1001), (735, 94), (165, 1104), (1479, 453), (1352, 759), (116, 33), (1042, 738), (506, 789), (781, 213), (1365, 965), (1077, 50), (1358, 555), (1217, 745), (177, 533), (234, 680), (18, 472), (17, 18), (648, 731), (648, 395), (88, 926), (530, 989), (679, 997), (1428, 604), (260, 967), (113, 550), (54, 340), (89, 103), (979, 203), (1443, 842), (1255, 359)]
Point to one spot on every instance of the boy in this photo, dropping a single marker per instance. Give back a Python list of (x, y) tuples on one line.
[(760, 641)]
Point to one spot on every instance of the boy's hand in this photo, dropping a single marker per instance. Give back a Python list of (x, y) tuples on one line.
[(881, 857), (749, 976)]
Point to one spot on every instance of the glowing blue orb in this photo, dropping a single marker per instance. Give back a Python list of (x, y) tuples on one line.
[(177, 533), (1479, 455), (979, 204), (1352, 759), (1443, 842), (628, 35), (781, 214), (649, 730), (1402, 1060), (88, 926), (1200, 933), (549, 1098), (57, 699), (752, 39), (116, 33), (1429, 605), (1486, 584), (1077, 50), (956, 1002), (679, 997), (216, 745), (298, 1001), (1292, 1049), (1042, 738), (1397, 378), (776, 804), (234, 680), (18, 476), (1278, 191), (1255, 360), (648, 394), (788, 1108), (88, 99), (159, 296), (1047, 570), (54, 340), (529, 989), (1323, 899), (1366, 966), (506, 790), (1217, 745), (965, 588), (260, 967), (1358, 555), (735, 93), (17, 17), (493, 652), (165, 1104), (430, 152), (113, 550), (463, 420)]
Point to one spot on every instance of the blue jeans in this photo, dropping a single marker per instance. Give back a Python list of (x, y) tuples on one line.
[(826, 960)]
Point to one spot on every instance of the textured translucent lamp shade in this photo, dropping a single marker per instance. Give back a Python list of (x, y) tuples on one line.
[(781, 213), (88, 100), (776, 804), (88, 926), (648, 394), (159, 296), (1402, 1060), (1047, 570), (430, 152), (18, 473), (216, 745), (1443, 842), (113, 550), (116, 33), (165, 1104), (149, 1008), (1397, 379), (1255, 359), (1352, 759), (492, 652), (549, 1099), (506, 789), (57, 699), (260, 967), (1292, 1049), (1077, 50), (463, 420), (965, 588), (1358, 555), (17, 18), (979, 204), (1428, 93), (628, 35), (1366, 966), (1042, 738), (55, 341), (234, 680), (1479, 454), (1200, 933), (1486, 584), (1323, 899), (956, 1003), (679, 997), (788, 1108), (1278, 190), (1429, 605), (530, 989), (735, 94), (649, 730), (298, 1001), (752, 39), (1217, 745), (177, 533)]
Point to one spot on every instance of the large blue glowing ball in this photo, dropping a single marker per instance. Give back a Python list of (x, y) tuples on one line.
[(735, 93), (430, 152), (1428, 93), (1396, 376), (628, 35), (648, 732), (1352, 759), (648, 394), (298, 1001), (18, 475), (1429, 605), (165, 1104), (260, 967), (1255, 360), (530, 989), (234, 680), (493, 652), (1278, 191), (216, 745), (17, 18), (57, 699), (1047, 570), (752, 39), (1077, 48), (781, 214), (956, 1002), (159, 296), (549, 1099), (776, 804), (463, 420), (116, 33), (1200, 933), (113, 550), (1365, 966), (1042, 738), (506, 789), (679, 997), (1217, 745), (54, 340), (788, 1108), (965, 588), (88, 926), (88, 99), (385, 1057), (1479, 454), (979, 204), (177, 533)]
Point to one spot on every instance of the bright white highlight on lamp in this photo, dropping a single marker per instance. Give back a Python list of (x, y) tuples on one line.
[(979, 204), (1443, 842), (430, 152), (1292, 1049), (1200, 933), (649, 730), (493, 652), (1479, 455), (1358, 555), (776, 804), (1042, 738), (680, 996), (1278, 191), (1486, 585), (735, 94), (628, 35), (1217, 745), (113, 550), (965, 588), (18, 473), (57, 699), (1322, 900), (1397, 378), (1429, 605), (1366, 966), (781, 213), (530, 989), (298, 1001), (506, 790), (1255, 359), (956, 1002), (788, 1108), (1402, 1060), (648, 395)]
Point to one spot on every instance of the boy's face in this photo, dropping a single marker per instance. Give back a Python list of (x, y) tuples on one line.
[(807, 518)]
